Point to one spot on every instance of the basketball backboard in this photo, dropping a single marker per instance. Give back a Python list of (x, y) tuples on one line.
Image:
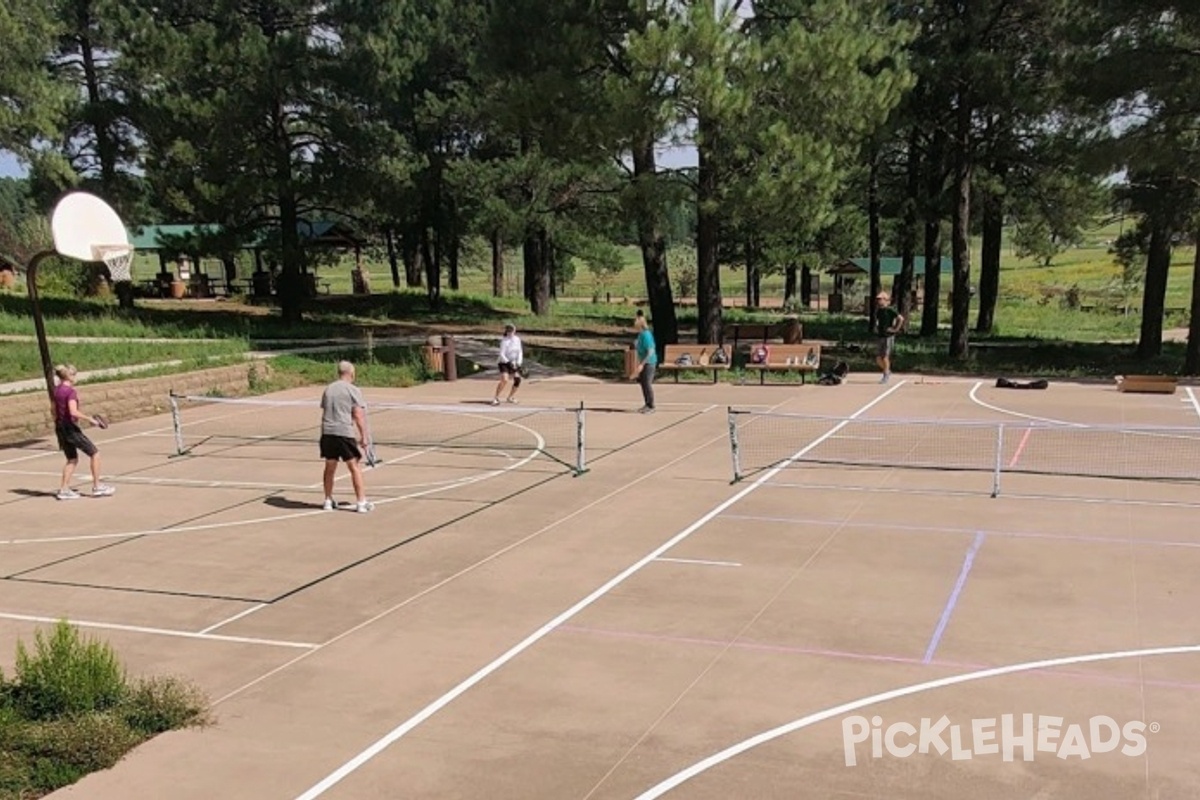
[(87, 229)]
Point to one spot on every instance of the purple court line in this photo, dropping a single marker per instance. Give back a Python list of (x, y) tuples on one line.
[(1058, 537), (948, 611), (878, 658)]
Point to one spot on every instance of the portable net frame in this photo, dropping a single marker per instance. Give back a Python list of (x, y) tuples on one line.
[(767, 440), (119, 260), (559, 434)]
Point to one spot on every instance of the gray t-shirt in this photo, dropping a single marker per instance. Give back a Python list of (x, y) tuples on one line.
[(337, 406)]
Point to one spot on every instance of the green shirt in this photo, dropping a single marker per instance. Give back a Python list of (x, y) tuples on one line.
[(886, 318), (646, 352)]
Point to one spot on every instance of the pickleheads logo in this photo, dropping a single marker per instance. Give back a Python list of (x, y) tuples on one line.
[(1028, 733)]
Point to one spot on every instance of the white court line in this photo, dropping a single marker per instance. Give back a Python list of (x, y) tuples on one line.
[(399, 731), (112, 626), (1008, 495), (884, 697), (237, 523), (480, 563), (106, 442), (1192, 399), (234, 618), (699, 562), (1000, 410)]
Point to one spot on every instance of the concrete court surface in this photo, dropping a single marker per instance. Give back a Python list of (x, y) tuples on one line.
[(498, 628)]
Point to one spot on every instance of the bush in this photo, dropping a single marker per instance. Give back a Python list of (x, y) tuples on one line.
[(81, 744), (66, 675), (157, 705)]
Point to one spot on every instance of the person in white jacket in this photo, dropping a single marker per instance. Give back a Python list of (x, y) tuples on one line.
[(511, 358)]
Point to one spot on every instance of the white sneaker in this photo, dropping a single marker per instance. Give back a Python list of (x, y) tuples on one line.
[(364, 506), (512, 400), (328, 504), (103, 490), (68, 494), (495, 401)]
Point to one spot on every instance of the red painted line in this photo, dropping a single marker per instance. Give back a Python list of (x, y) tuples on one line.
[(1020, 448)]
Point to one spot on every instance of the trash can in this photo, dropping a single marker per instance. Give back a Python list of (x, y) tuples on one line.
[(835, 303), (432, 354), (631, 364)]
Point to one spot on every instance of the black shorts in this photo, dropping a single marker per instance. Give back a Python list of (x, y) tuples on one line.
[(73, 441), (339, 448), (507, 367)]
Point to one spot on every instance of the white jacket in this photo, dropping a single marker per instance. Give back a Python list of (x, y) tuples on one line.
[(510, 350)]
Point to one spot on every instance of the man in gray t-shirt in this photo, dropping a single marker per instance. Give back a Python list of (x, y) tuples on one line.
[(343, 430)]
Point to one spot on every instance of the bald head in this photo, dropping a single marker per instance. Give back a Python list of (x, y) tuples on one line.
[(345, 370)]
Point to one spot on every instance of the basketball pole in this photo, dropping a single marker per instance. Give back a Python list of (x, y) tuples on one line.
[(38, 323)]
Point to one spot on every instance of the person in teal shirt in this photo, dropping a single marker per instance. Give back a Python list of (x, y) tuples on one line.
[(647, 361)]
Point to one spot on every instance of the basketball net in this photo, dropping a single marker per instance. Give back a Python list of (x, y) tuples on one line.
[(119, 260)]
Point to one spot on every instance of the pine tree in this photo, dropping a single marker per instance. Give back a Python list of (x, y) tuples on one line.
[(32, 103)]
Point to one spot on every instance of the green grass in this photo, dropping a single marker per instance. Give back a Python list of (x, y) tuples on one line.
[(71, 709), (20, 360), (382, 367)]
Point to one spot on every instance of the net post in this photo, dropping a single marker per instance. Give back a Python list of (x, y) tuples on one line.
[(733, 445), (580, 440), (176, 424), (999, 460)]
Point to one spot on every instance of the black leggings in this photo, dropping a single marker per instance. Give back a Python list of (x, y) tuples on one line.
[(646, 380)]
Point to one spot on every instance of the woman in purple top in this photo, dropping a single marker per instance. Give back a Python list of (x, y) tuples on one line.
[(71, 438)]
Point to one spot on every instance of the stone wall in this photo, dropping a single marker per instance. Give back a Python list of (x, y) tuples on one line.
[(27, 416)]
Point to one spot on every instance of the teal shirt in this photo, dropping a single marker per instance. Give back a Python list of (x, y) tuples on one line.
[(645, 348)]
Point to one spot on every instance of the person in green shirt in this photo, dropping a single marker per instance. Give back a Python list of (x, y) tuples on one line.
[(888, 322), (647, 361)]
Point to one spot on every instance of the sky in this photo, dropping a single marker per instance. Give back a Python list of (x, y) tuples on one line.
[(10, 167)]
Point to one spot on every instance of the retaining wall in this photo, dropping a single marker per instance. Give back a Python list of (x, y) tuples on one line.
[(26, 417)]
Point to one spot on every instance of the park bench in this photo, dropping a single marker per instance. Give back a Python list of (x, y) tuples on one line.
[(789, 330), (694, 357), (801, 358)]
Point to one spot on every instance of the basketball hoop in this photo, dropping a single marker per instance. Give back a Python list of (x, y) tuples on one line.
[(119, 260)]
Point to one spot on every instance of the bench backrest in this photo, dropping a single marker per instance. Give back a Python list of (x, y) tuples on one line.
[(778, 354)]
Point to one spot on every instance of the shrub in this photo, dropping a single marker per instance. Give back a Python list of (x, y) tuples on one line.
[(81, 744), (66, 675), (157, 705)]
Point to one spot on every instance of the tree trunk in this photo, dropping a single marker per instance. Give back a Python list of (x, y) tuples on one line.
[(989, 261), (789, 286), (931, 303), (708, 275), (908, 232), (550, 266), (452, 258), (531, 260), (652, 244), (960, 242), (414, 261), (497, 264), (537, 278), (874, 236), (433, 275), (290, 289), (1191, 364), (934, 181), (1158, 264), (753, 282), (389, 237)]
